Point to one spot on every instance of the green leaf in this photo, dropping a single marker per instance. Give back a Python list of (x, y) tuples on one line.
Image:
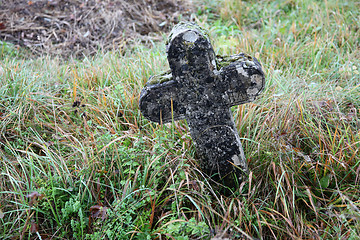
[(324, 181)]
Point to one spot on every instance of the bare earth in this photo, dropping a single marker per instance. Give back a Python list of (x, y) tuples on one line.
[(82, 27)]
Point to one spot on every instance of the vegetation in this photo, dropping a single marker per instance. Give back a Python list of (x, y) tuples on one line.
[(78, 161)]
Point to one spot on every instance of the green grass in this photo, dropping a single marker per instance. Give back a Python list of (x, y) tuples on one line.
[(78, 161)]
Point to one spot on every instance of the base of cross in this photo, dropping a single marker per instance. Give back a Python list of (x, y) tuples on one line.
[(201, 88), (221, 154), (227, 183)]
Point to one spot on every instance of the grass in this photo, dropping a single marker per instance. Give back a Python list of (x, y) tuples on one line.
[(78, 161)]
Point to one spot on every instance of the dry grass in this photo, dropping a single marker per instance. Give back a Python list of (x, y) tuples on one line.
[(83, 28), (79, 161)]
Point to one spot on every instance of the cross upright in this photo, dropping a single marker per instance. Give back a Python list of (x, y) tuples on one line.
[(201, 87)]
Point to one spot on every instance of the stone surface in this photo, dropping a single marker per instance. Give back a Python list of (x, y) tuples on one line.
[(201, 87)]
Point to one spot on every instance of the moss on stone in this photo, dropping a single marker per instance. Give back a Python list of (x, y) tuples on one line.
[(223, 61), (160, 78)]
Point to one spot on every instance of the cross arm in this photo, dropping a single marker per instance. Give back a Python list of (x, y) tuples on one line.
[(241, 78), (161, 100)]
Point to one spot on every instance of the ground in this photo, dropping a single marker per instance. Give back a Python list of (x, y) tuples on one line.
[(82, 28), (79, 161)]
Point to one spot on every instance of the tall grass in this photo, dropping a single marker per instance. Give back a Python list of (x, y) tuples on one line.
[(78, 161)]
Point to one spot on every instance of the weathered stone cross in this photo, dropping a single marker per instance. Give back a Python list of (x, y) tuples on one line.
[(201, 88)]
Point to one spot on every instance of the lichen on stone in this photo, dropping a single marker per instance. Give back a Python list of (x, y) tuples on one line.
[(186, 26)]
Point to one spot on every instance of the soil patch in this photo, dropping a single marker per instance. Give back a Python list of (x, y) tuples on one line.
[(83, 27)]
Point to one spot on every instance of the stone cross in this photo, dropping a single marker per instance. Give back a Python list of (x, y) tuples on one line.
[(201, 88)]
